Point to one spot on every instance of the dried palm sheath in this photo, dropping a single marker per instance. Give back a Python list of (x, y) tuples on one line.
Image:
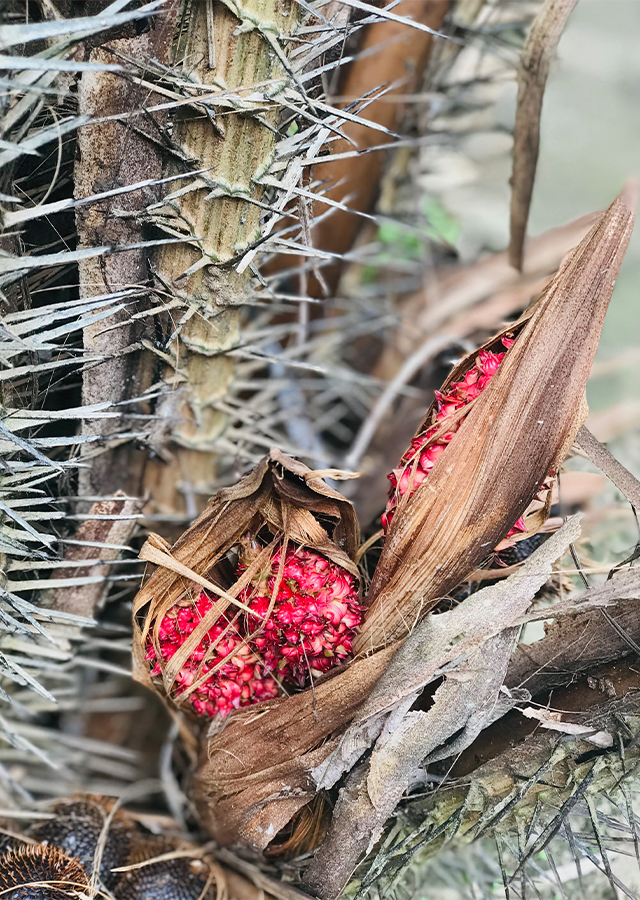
[(255, 773), (521, 427)]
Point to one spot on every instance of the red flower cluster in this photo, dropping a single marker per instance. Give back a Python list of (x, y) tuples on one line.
[(241, 679), (314, 617), (309, 631), (420, 458)]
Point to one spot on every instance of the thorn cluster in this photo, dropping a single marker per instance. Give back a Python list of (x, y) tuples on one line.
[(421, 456)]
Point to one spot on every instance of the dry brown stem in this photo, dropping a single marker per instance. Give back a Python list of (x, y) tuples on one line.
[(579, 640), (535, 61), (591, 696), (392, 55), (623, 479), (84, 600), (112, 154), (578, 664)]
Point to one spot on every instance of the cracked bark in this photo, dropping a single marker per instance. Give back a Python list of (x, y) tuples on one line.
[(113, 154)]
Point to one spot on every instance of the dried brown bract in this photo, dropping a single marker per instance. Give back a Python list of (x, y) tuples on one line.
[(520, 428), (281, 503), (255, 775)]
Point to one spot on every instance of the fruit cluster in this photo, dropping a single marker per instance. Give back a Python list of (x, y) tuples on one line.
[(314, 617)]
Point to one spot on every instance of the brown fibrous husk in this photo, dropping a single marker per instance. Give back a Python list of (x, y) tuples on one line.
[(282, 501), (263, 752)]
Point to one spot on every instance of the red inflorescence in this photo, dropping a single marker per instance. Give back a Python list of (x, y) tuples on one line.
[(314, 617), (241, 679), (308, 631), (421, 456)]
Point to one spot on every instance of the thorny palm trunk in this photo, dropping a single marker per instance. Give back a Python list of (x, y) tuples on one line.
[(231, 48)]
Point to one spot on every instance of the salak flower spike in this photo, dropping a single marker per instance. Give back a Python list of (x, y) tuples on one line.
[(314, 617), (202, 649), (425, 448), (238, 677), (518, 429)]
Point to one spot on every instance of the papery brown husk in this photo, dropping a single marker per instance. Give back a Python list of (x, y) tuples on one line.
[(252, 771), (519, 428), (282, 496), (254, 776)]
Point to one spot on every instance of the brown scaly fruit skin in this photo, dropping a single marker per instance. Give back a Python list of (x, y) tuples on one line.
[(41, 873), (76, 831), (180, 878)]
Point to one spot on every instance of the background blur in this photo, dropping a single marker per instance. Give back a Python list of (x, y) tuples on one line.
[(590, 144)]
